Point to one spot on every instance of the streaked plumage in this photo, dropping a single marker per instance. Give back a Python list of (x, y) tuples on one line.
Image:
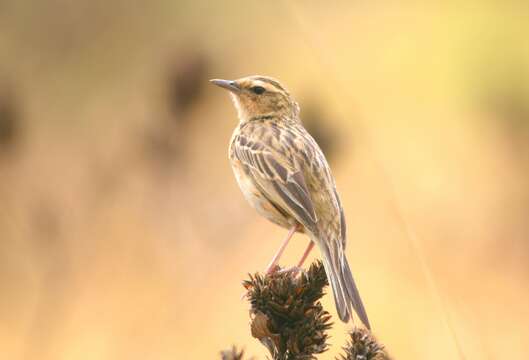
[(284, 175)]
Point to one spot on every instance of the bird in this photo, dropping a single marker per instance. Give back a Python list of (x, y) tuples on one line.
[(284, 175)]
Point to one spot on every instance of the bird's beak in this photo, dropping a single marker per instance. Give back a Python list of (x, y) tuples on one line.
[(227, 84)]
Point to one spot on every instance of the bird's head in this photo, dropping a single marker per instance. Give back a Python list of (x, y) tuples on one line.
[(258, 97)]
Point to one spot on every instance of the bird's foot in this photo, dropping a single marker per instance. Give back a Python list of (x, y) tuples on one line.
[(294, 270), (274, 269)]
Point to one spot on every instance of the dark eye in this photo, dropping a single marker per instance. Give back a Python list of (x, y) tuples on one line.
[(258, 90)]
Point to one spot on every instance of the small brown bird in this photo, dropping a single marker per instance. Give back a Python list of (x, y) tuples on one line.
[(284, 175)]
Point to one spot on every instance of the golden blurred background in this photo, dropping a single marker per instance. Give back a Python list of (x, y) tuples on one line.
[(123, 234)]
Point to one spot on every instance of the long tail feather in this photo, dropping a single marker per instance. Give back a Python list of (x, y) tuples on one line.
[(354, 295), (343, 286), (340, 299)]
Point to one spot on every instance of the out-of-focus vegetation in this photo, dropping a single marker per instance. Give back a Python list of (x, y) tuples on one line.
[(124, 236)]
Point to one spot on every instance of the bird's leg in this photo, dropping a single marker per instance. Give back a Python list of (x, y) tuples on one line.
[(277, 256), (297, 269), (306, 254)]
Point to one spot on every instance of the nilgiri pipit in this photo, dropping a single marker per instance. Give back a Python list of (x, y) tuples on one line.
[(284, 175)]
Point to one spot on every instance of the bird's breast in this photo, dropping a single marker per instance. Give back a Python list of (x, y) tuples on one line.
[(256, 198)]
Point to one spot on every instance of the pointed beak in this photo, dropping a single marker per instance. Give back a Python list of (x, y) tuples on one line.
[(227, 84)]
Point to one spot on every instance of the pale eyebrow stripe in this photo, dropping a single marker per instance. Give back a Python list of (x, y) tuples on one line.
[(270, 81)]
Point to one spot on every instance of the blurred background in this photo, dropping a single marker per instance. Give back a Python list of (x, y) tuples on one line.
[(123, 234)]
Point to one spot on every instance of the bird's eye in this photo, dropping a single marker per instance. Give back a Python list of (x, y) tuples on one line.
[(258, 90)]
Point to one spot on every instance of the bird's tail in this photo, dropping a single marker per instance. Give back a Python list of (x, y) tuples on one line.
[(346, 295)]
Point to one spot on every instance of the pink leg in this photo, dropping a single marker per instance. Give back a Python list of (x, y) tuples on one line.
[(306, 254), (277, 256)]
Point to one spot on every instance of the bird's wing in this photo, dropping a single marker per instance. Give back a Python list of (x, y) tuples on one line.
[(343, 230), (274, 167)]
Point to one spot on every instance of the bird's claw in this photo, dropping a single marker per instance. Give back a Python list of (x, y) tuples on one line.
[(294, 270)]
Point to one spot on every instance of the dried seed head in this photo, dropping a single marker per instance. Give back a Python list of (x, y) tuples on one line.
[(363, 346), (287, 316), (232, 354)]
